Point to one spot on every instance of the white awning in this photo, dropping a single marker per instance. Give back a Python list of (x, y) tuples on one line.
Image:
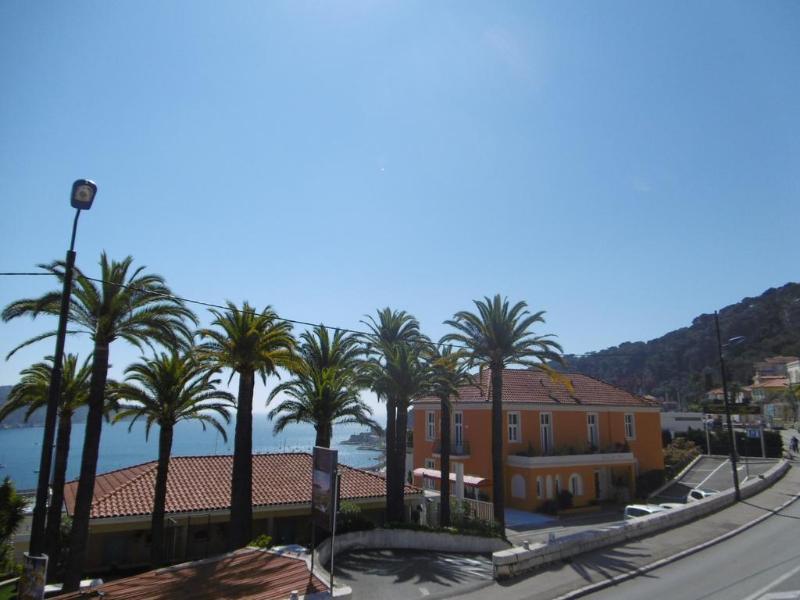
[(434, 474)]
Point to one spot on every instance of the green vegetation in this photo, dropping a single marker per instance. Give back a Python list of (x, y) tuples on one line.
[(684, 364), (263, 541), (12, 507)]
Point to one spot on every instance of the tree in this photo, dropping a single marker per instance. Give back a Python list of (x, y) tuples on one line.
[(247, 342), (164, 390), (448, 374), (325, 389), (126, 304), (497, 336), (31, 393), (398, 375), (12, 511)]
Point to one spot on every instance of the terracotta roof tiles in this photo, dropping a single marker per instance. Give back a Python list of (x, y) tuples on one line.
[(203, 483)]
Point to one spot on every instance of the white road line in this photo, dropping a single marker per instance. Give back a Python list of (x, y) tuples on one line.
[(424, 592), (712, 473), (775, 583), (782, 596)]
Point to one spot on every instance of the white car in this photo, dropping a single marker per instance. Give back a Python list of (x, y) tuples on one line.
[(633, 511), (671, 505), (699, 494)]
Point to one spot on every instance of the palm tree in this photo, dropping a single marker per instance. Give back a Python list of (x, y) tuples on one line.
[(326, 386), (164, 390), (247, 342), (497, 336), (31, 393), (398, 375), (448, 374), (126, 304)]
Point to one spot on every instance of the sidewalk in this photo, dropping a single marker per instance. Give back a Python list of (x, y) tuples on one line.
[(593, 567)]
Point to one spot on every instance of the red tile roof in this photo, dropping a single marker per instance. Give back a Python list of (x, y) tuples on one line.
[(246, 574), (529, 385), (202, 483)]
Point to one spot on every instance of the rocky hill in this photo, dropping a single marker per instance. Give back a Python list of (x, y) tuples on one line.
[(683, 364)]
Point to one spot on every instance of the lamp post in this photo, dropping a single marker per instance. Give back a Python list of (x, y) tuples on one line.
[(83, 193), (731, 434)]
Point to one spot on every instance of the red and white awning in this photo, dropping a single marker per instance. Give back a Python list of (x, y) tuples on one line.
[(434, 474)]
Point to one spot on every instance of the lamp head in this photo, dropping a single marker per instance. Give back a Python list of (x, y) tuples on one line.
[(83, 193)]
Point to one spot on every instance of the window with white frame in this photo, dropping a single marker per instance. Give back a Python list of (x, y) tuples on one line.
[(430, 425), (630, 427), (593, 434), (458, 428), (429, 482), (576, 484), (539, 487), (558, 485), (513, 427), (546, 432)]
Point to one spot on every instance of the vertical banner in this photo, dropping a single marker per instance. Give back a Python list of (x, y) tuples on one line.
[(323, 487)]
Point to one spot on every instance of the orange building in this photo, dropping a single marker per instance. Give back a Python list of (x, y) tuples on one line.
[(593, 440)]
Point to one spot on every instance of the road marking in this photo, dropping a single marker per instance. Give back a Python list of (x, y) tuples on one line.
[(782, 596), (777, 582), (712, 473), (424, 592)]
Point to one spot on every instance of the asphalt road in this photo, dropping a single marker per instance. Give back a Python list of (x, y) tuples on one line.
[(401, 574), (762, 563), (713, 473)]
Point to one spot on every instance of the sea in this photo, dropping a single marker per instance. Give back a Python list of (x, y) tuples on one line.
[(123, 445)]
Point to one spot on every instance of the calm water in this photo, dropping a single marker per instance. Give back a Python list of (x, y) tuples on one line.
[(20, 448)]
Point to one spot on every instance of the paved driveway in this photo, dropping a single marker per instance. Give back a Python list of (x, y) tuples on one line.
[(405, 574), (714, 473)]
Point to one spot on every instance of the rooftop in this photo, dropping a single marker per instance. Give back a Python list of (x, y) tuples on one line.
[(203, 483), (248, 574), (529, 385)]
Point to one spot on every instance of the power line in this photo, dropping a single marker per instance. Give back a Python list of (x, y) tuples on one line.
[(293, 321)]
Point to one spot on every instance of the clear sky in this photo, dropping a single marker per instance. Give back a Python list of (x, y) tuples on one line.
[(624, 166)]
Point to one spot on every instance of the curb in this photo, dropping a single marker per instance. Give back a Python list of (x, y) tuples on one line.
[(600, 585)]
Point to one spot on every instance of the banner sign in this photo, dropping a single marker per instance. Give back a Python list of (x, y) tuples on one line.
[(323, 486)]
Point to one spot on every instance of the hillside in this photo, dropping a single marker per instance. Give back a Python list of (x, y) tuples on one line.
[(683, 364), (17, 418)]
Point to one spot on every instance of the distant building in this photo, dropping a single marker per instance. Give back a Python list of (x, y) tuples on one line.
[(681, 422), (793, 372), (775, 366)]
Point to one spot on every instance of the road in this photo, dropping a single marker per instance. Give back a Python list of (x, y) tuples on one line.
[(713, 473), (762, 563)]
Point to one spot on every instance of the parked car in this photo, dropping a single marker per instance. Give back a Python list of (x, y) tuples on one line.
[(699, 494), (633, 511), (671, 505)]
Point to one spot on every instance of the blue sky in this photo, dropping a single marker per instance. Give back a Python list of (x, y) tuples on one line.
[(624, 166)]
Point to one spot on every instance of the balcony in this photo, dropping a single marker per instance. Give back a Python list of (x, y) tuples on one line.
[(461, 449)]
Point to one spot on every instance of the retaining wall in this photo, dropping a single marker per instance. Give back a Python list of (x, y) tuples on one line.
[(517, 560), (407, 539)]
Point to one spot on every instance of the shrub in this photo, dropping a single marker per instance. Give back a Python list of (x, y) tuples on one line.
[(349, 518), (564, 499), (262, 541)]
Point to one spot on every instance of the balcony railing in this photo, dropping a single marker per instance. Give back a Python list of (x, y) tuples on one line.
[(460, 449)]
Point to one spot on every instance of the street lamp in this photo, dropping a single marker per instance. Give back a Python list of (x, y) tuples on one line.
[(83, 193), (731, 434)]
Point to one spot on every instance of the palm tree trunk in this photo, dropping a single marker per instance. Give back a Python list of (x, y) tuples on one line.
[(52, 531), (160, 496), (324, 435), (391, 438), (242, 476), (400, 461), (444, 452), (498, 489), (79, 535)]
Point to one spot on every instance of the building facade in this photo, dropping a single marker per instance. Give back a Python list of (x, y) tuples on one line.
[(593, 439)]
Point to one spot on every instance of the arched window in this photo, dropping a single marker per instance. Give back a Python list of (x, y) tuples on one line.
[(549, 486), (518, 486), (576, 484), (558, 484), (539, 487)]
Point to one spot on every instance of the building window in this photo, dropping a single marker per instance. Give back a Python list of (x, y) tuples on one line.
[(558, 485), (513, 427), (630, 428), (592, 430), (576, 484), (458, 428), (430, 425), (539, 487), (549, 486), (546, 432), (518, 486), (429, 482)]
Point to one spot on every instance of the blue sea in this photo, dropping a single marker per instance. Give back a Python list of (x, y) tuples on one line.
[(20, 449)]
